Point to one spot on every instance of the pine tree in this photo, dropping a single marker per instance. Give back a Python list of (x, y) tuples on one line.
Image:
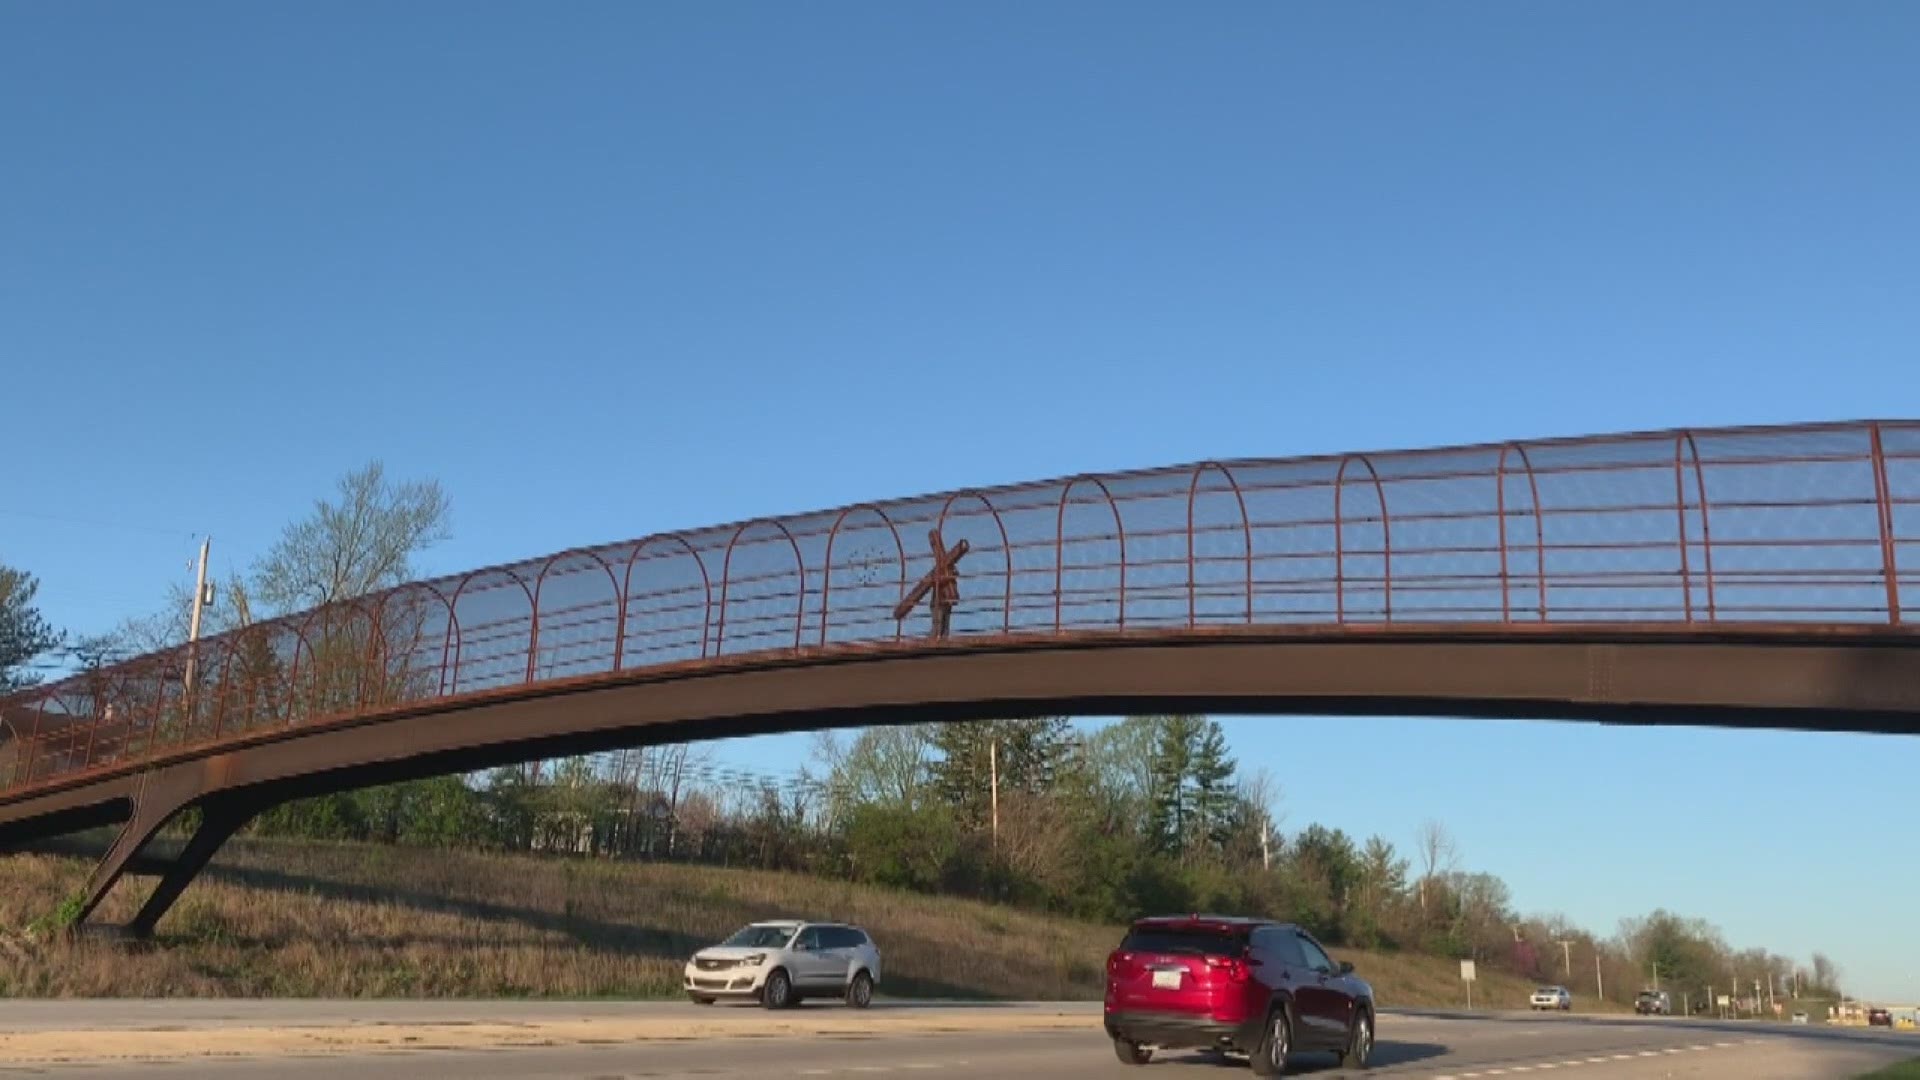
[(1029, 754), (1215, 795), (1194, 798), (959, 772), (1169, 810), (24, 634), (1383, 875)]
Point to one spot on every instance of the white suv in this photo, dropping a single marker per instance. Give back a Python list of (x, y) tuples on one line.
[(780, 963), (1552, 997)]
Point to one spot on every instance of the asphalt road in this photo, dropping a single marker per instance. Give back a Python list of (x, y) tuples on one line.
[(1428, 1045)]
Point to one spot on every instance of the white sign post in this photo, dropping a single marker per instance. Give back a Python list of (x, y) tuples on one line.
[(1466, 976)]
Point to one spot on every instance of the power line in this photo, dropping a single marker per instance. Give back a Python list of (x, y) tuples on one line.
[(95, 523)]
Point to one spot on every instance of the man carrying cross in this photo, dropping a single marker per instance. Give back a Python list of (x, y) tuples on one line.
[(940, 586)]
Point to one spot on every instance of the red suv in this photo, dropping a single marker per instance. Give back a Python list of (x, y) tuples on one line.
[(1247, 986)]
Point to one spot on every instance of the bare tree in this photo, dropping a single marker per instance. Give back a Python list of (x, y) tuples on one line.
[(1438, 855), (363, 542), (167, 627), (697, 817), (1260, 794), (1036, 837), (880, 765), (674, 767), (1826, 974)]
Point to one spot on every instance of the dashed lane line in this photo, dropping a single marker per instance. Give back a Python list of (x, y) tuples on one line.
[(872, 1070), (1570, 1063)]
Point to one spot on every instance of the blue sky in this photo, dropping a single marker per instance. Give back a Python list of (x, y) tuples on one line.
[(607, 269)]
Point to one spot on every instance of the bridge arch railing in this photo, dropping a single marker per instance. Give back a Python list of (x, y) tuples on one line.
[(1807, 526)]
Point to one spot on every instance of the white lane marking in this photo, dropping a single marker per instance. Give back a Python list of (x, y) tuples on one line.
[(1649, 1053), (872, 1068), (1723, 1046), (1623, 1057), (1596, 1061)]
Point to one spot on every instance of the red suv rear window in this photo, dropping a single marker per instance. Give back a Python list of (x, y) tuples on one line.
[(1196, 941)]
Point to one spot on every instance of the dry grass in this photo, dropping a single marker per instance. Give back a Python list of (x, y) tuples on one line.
[(302, 919), (305, 919)]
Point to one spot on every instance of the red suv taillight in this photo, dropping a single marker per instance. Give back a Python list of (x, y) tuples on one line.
[(1235, 968)]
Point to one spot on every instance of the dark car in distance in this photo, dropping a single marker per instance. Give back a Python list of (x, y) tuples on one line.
[(1879, 1018), (1248, 986)]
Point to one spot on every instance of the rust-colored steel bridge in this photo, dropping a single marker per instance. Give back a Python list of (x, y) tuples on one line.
[(1749, 577)]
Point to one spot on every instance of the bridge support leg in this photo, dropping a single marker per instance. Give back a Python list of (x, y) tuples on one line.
[(155, 803), (218, 821)]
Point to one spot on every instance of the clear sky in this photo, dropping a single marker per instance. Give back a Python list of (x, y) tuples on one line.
[(606, 269)]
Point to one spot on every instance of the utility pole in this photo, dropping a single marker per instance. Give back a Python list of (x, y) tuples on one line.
[(1266, 850), (1656, 974), (1566, 951), (993, 773), (202, 598), (1599, 985)]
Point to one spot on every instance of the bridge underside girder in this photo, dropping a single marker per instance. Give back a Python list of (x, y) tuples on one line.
[(1835, 682)]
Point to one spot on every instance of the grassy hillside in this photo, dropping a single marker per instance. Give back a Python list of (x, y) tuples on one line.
[(298, 918)]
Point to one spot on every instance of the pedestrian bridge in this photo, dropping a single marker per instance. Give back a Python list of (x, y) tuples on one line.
[(1737, 577)]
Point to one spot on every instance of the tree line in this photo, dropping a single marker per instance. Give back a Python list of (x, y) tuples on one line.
[(1146, 814)]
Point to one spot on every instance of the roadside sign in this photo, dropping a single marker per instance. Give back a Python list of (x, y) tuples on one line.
[(1466, 970)]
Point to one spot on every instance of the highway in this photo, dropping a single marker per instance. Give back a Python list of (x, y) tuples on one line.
[(899, 1041)]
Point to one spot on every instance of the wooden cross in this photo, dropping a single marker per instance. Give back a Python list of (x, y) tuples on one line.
[(940, 587)]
